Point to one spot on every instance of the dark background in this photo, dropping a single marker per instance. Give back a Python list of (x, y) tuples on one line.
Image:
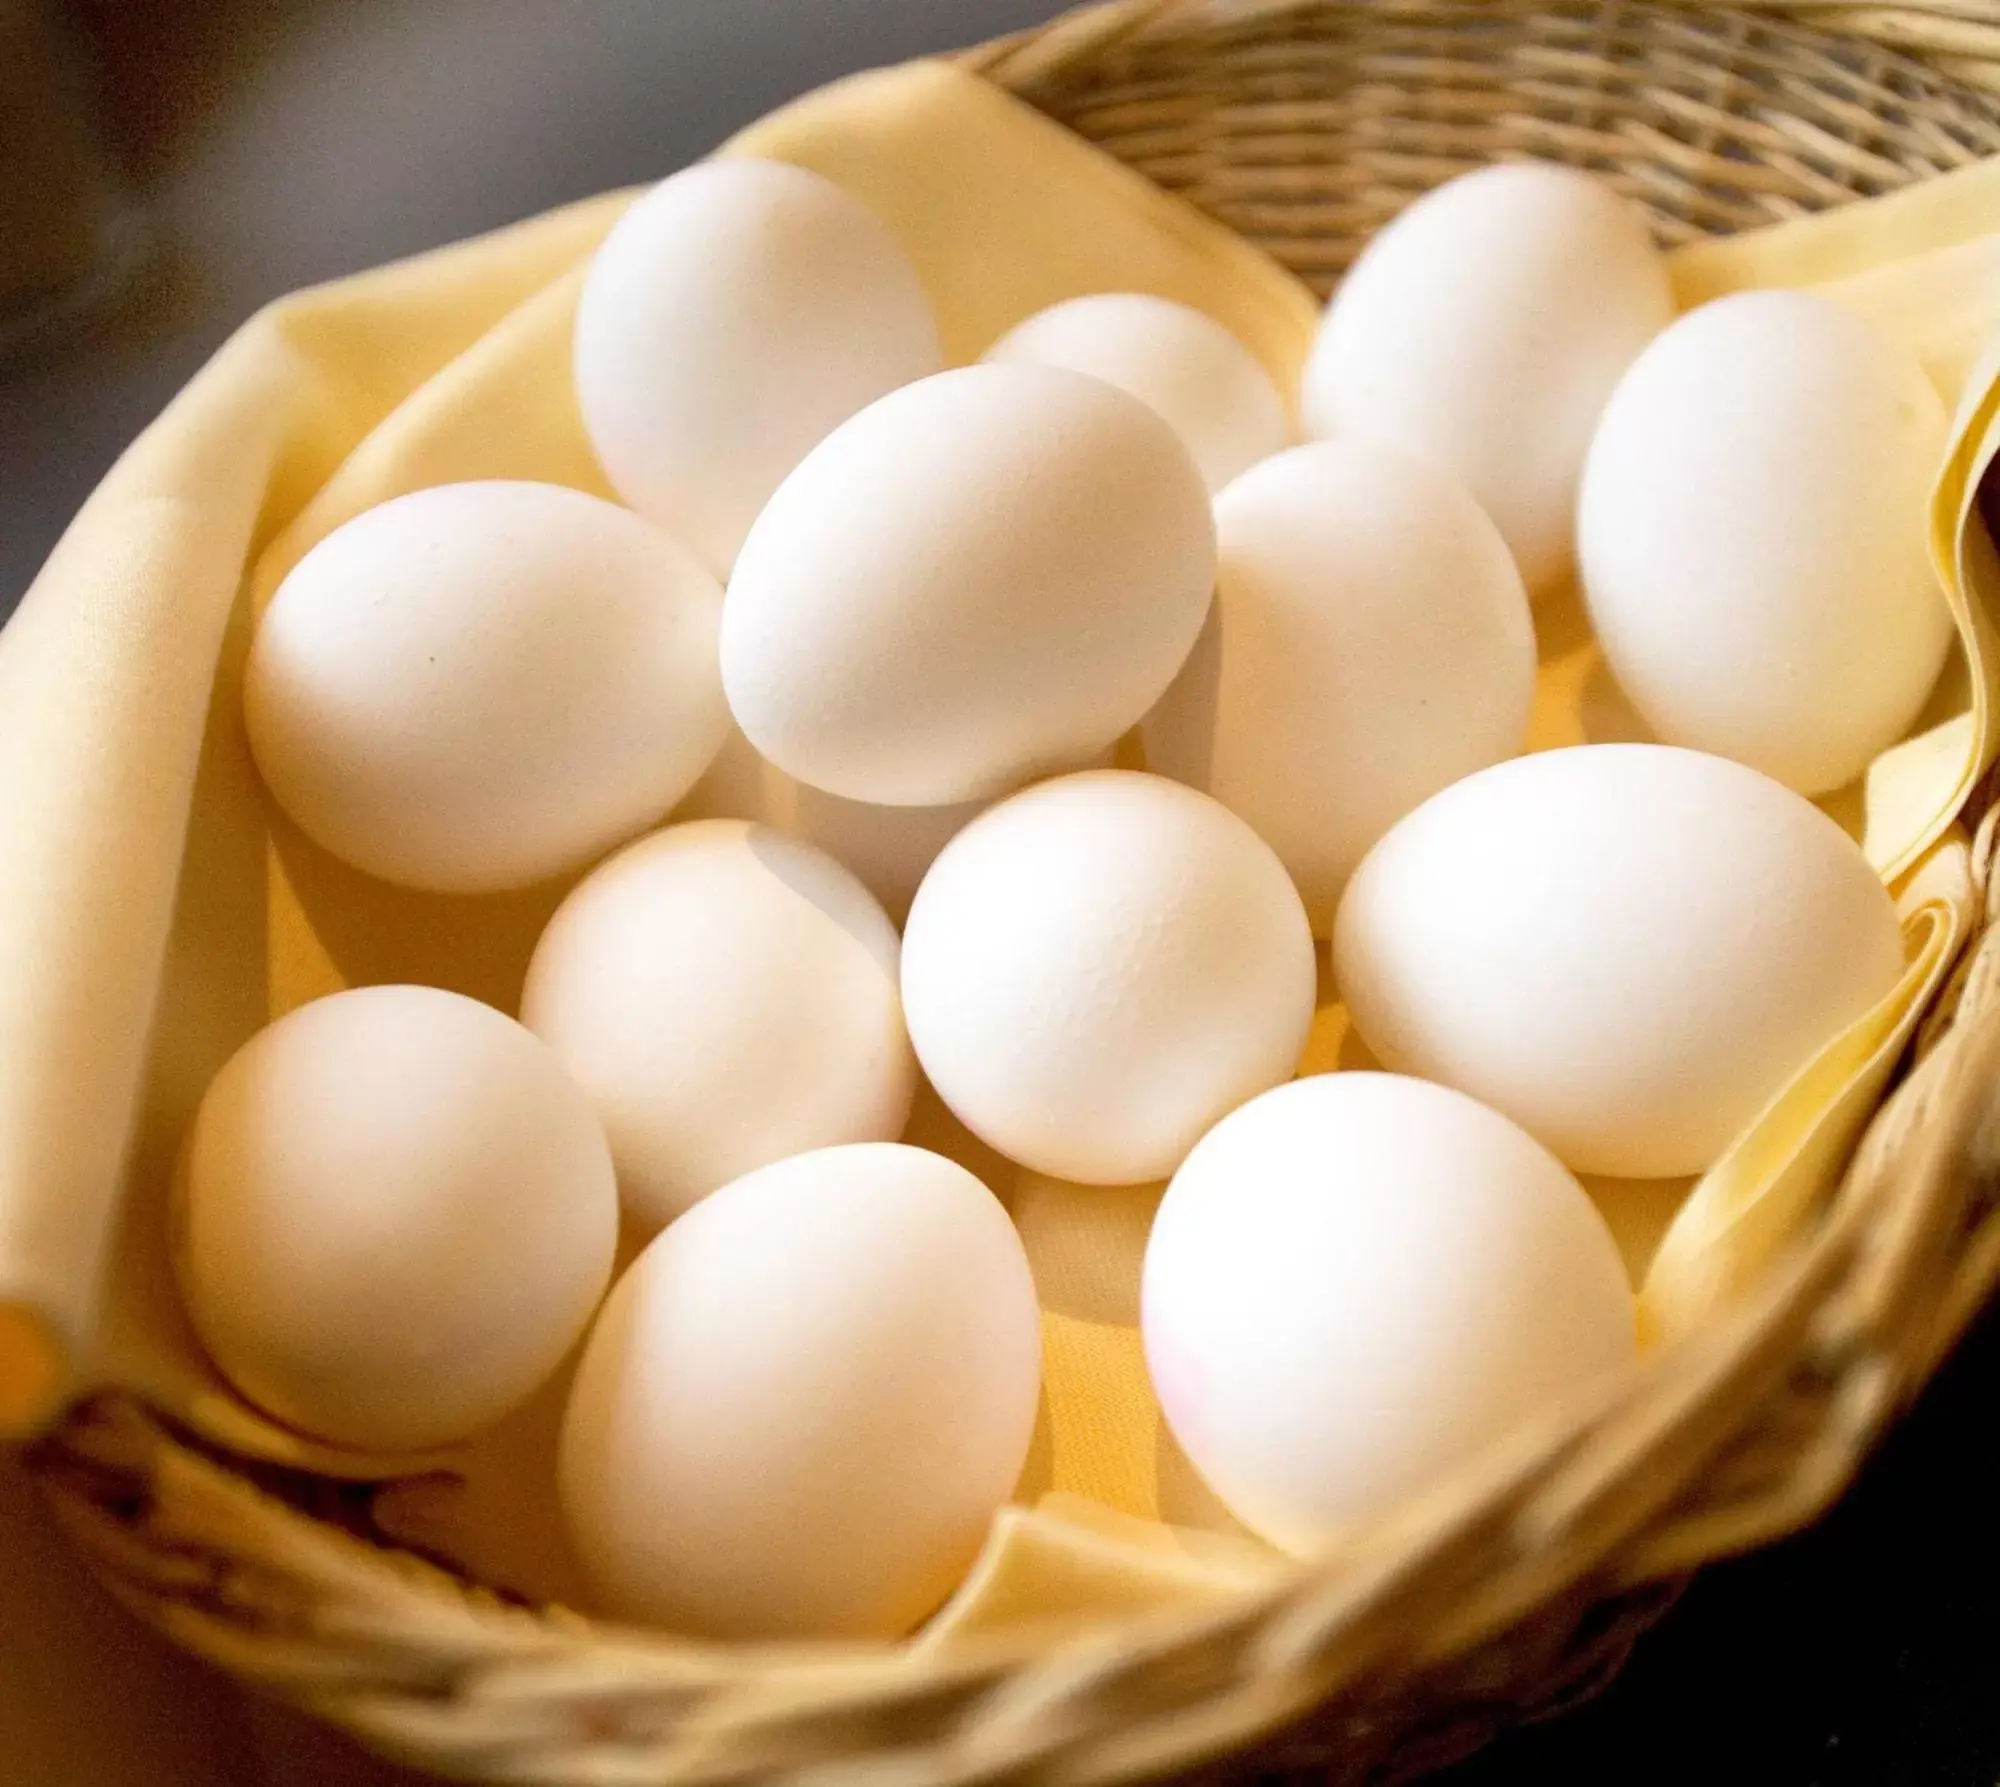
[(263, 144)]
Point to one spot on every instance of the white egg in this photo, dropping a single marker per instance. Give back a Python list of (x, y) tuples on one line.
[(982, 578), (396, 1216), (1175, 359), (481, 685), (1628, 949), (1355, 1284), (1370, 643), (889, 849), (805, 1401), (726, 996), (736, 314), (1754, 536), (1097, 969), (1485, 327)]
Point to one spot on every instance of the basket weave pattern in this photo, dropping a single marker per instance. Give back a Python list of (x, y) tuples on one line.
[(1304, 125)]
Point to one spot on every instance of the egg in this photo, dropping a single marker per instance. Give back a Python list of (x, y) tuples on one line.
[(1754, 536), (1370, 643), (1628, 949), (1177, 360), (479, 686), (805, 1401), (981, 578), (725, 996), (736, 314), (395, 1217), (1484, 328), (1098, 969), (889, 849), (1356, 1283)]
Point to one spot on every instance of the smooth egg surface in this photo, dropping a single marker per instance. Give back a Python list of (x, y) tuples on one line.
[(396, 1216), (1484, 328), (1370, 643), (478, 686), (736, 314), (1098, 968), (1627, 949), (1358, 1281), (889, 849), (805, 1401), (982, 578), (1177, 360), (1754, 535), (726, 996)]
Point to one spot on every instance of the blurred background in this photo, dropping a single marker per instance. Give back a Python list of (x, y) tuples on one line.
[(168, 165)]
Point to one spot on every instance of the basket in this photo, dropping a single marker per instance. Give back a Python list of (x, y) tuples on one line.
[(1303, 125)]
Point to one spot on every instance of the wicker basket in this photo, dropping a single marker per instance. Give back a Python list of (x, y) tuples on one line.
[(1304, 126)]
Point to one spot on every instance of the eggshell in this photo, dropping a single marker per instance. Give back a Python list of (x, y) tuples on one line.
[(736, 314), (726, 996), (397, 1215), (1370, 643), (1484, 328), (1175, 359), (1357, 1282), (981, 578), (805, 1401), (1628, 949), (1754, 536), (1097, 969), (480, 685), (889, 849)]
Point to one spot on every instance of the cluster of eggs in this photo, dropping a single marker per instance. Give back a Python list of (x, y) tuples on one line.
[(898, 853)]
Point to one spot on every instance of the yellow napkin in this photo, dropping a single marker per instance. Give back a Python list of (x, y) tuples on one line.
[(1753, 1200), (154, 910), (130, 828)]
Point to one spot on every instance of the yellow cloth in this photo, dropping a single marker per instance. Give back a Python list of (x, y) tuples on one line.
[(154, 910), (1744, 1209)]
